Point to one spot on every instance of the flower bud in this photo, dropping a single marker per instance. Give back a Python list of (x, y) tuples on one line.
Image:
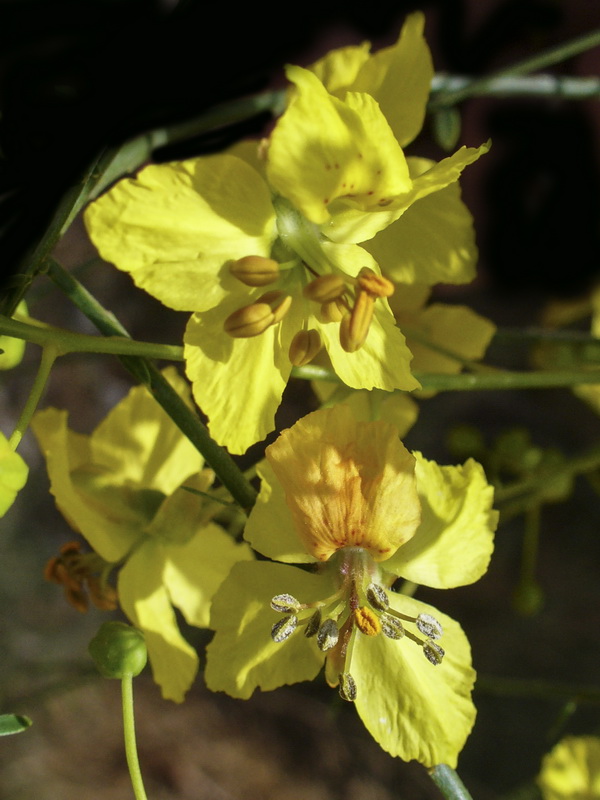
[(325, 288), (118, 650), (304, 347), (255, 270)]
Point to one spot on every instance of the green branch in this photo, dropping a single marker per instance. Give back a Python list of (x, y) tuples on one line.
[(146, 372), (449, 783)]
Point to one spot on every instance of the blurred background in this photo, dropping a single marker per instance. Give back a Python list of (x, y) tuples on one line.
[(75, 77)]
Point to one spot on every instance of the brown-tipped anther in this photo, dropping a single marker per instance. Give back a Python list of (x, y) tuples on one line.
[(278, 302), (283, 629), (249, 321), (327, 635), (285, 603), (332, 312), (304, 347), (378, 597), (429, 626), (391, 626), (255, 270), (354, 327), (325, 288), (313, 624), (374, 284), (433, 652), (366, 621)]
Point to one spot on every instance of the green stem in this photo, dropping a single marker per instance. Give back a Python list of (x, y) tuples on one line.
[(483, 381), (133, 763), (49, 354), (449, 783), (423, 339), (549, 57), (564, 86), (68, 342), (146, 372)]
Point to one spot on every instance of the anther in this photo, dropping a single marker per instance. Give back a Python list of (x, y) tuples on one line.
[(279, 303), (249, 321), (391, 626), (285, 603), (433, 652), (325, 288), (327, 635), (377, 597), (255, 270), (374, 284), (313, 624), (347, 687), (332, 312), (354, 326), (429, 626), (304, 347), (284, 628), (366, 621)]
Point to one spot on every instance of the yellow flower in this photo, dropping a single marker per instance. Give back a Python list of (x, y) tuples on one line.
[(571, 771), (348, 499), (266, 252), (13, 475), (122, 489)]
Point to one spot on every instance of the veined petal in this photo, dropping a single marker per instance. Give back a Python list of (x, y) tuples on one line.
[(242, 656), (238, 383), (270, 528), (183, 513), (194, 571), (353, 225), (454, 542), (396, 408), (399, 78), (323, 150), (140, 444), (13, 474), (144, 598), (455, 328), (412, 708), (175, 227), (347, 483), (432, 242), (110, 535)]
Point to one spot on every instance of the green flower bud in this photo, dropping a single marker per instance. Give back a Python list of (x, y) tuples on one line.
[(118, 650)]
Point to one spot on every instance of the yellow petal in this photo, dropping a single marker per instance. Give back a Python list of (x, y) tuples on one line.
[(412, 708), (347, 483), (194, 571), (13, 475), (339, 68), (323, 150), (572, 769), (175, 227), (144, 598), (242, 656), (454, 542), (394, 407), (432, 242), (270, 528)]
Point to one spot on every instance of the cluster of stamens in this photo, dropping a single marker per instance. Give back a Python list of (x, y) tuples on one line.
[(335, 621), (78, 574), (341, 298)]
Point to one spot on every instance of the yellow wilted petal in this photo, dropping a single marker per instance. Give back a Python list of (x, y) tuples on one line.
[(454, 542), (412, 708), (323, 150), (175, 227), (347, 483), (145, 600)]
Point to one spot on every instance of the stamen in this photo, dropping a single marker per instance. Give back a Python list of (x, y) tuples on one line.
[(374, 284), (377, 597), (325, 288), (279, 302), (255, 270), (429, 626), (304, 347), (367, 622), (332, 312), (391, 627), (284, 628), (313, 624), (433, 652), (328, 635), (285, 603), (354, 326), (249, 321), (347, 687)]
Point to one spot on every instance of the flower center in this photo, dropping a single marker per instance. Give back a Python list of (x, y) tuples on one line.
[(359, 607), (338, 297)]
